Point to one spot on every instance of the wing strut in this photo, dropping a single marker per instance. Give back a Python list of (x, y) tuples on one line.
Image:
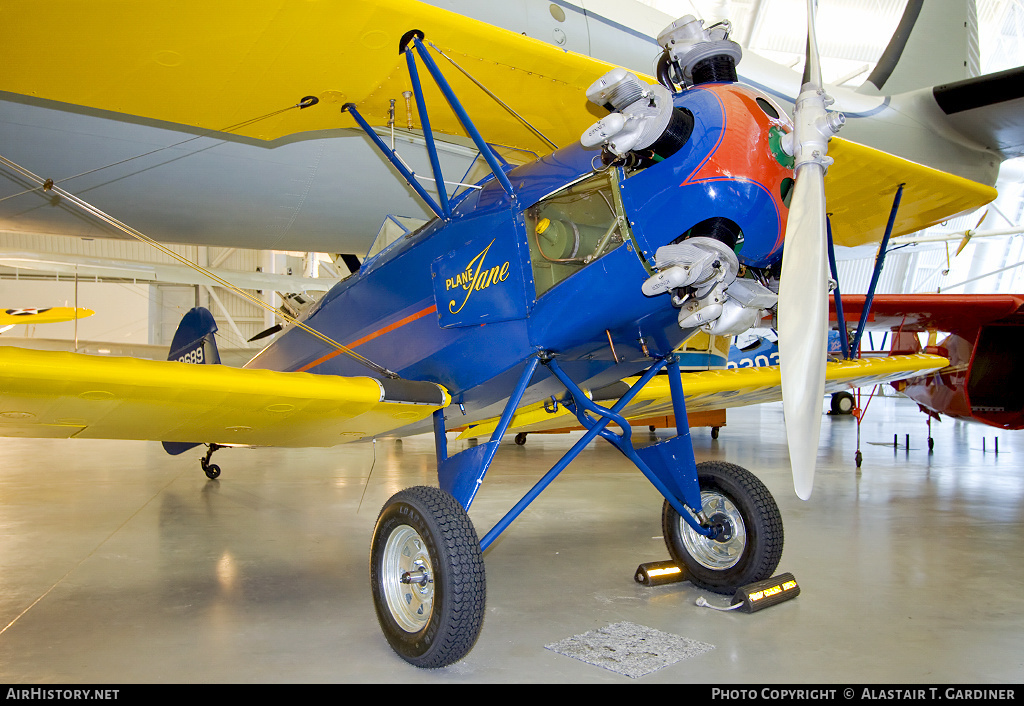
[(879, 261), (392, 156), (494, 161), (837, 296), (460, 112)]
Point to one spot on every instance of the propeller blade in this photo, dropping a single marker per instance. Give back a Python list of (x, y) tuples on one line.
[(812, 60), (803, 289), (963, 243), (266, 332), (803, 324)]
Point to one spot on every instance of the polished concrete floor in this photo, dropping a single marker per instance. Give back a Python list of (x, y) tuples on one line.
[(119, 564)]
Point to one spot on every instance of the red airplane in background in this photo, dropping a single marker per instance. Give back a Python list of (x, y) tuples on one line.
[(985, 334)]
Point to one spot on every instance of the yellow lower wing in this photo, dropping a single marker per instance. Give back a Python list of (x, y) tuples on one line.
[(44, 394), (720, 389)]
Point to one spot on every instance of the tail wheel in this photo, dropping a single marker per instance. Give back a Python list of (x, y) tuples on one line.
[(427, 577), (750, 545)]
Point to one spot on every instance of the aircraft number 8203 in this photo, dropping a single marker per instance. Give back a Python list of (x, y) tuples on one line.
[(760, 361)]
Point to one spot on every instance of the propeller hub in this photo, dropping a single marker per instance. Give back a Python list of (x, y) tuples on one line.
[(813, 127)]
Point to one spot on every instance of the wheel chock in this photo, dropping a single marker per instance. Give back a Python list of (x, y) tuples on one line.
[(748, 599), (659, 573), (762, 594)]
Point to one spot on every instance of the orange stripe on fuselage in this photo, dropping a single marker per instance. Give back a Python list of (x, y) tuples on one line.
[(369, 337)]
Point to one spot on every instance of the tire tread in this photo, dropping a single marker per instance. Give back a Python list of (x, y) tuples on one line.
[(464, 576)]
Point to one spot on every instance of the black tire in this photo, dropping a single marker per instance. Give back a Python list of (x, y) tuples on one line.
[(436, 623), (212, 471), (745, 554), (521, 438), (842, 402)]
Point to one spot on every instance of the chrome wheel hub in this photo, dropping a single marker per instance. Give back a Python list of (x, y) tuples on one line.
[(724, 551), (408, 579)]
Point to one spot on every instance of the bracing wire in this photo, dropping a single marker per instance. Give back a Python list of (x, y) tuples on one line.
[(304, 103), (500, 102), (48, 185)]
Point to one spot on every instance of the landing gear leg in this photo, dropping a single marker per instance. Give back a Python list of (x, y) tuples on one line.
[(212, 470), (858, 457), (427, 577), (719, 520)]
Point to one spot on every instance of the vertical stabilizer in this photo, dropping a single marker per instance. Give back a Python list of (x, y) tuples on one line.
[(936, 42), (193, 342)]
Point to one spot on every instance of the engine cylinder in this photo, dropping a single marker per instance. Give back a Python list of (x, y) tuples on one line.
[(715, 69)]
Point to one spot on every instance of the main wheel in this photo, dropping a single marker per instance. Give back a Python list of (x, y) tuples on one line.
[(842, 402), (750, 546), (427, 577)]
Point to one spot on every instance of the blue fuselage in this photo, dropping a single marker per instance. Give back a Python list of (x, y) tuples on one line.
[(558, 268)]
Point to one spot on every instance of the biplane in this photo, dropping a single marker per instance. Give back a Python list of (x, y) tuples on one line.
[(655, 210)]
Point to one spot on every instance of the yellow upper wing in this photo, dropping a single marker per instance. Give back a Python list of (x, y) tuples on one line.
[(45, 394), (221, 64), (720, 389), (217, 64), (861, 185)]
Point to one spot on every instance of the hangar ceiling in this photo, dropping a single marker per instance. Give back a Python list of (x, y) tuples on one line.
[(851, 33)]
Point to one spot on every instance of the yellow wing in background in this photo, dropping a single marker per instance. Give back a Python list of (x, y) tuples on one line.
[(52, 315), (721, 389), (45, 394)]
